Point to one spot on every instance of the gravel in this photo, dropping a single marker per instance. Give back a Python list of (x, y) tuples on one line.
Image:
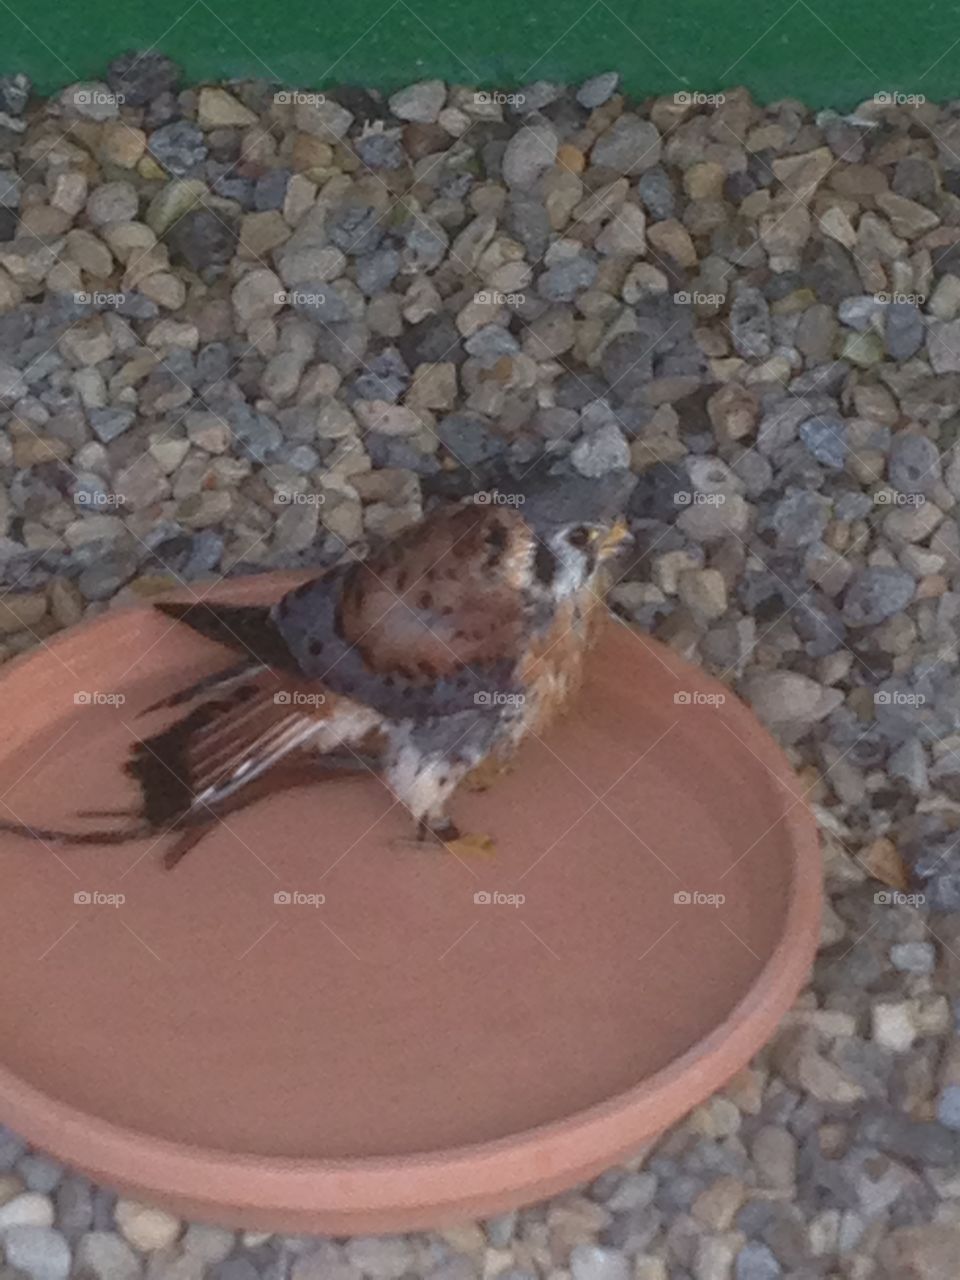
[(750, 318)]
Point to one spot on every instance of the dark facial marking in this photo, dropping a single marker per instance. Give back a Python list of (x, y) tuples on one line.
[(545, 564)]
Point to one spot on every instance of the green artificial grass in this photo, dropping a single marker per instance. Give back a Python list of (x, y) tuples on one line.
[(830, 54)]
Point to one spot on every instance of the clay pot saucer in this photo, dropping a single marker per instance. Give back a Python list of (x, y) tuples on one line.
[(424, 1046)]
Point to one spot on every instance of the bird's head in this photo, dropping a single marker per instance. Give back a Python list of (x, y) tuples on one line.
[(569, 557)]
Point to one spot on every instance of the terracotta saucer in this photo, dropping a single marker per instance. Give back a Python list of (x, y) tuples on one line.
[(305, 1027)]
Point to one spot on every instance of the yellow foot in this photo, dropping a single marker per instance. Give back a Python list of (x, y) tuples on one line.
[(472, 845), (486, 774)]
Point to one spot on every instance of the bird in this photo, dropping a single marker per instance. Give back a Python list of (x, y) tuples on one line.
[(427, 661)]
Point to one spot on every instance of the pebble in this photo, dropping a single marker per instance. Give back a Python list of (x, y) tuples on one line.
[(28, 1210), (146, 1228), (630, 146), (592, 1262), (38, 1251), (603, 451), (421, 102), (104, 1256), (380, 1257)]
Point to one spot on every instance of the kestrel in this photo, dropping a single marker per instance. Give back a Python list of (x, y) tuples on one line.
[(437, 654)]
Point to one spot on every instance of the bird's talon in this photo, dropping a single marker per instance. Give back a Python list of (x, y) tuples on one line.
[(472, 845)]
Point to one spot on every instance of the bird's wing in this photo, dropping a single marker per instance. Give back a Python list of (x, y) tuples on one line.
[(427, 627), (230, 739)]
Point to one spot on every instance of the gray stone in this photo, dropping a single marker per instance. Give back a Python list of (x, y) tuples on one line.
[(101, 1255), (180, 147), (380, 1257), (800, 518), (530, 152), (40, 1173), (629, 146), (108, 424), (40, 1252), (904, 331), (602, 451), (757, 1261), (948, 1107), (914, 957), (564, 280), (598, 89), (420, 102), (750, 324), (875, 594), (826, 439), (593, 1262), (914, 463)]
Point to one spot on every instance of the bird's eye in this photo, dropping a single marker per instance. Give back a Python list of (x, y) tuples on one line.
[(581, 536)]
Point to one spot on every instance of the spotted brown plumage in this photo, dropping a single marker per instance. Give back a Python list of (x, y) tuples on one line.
[(438, 653)]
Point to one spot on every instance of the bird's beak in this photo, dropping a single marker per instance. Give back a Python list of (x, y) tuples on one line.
[(618, 537)]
